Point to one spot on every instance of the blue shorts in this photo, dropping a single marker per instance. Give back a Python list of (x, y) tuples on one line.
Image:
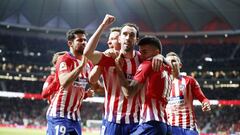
[(151, 128), (112, 128), (63, 126), (182, 131)]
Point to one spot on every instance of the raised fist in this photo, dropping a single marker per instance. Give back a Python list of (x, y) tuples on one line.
[(108, 20)]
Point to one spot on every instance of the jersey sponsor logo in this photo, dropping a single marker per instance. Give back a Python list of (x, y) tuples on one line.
[(82, 82), (63, 66), (178, 100)]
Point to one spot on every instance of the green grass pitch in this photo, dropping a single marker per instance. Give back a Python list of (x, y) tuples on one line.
[(24, 131)]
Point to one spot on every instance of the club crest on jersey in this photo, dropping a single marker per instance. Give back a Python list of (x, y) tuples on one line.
[(181, 87), (63, 66)]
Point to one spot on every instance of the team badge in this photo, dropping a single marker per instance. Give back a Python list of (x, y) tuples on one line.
[(63, 66), (182, 87)]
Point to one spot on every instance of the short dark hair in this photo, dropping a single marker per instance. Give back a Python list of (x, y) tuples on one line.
[(70, 35), (117, 29), (131, 25), (151, 40)]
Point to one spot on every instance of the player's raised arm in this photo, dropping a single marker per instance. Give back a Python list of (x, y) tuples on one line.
[(89, 50)]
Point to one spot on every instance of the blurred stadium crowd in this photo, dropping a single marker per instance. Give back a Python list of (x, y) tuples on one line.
[(25, 63)]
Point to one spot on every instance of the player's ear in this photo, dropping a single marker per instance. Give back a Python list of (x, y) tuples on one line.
[(119, 39), (180, 65), (137, 39), (69, 42)]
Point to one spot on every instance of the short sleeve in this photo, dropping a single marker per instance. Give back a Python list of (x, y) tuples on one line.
[(143, 71), (106, 61)]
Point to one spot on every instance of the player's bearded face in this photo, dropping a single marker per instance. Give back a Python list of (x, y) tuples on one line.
[(79, 43), (128, 38)]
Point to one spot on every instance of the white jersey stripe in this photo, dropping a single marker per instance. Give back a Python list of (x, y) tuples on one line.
[(154, 109), (63, 102)]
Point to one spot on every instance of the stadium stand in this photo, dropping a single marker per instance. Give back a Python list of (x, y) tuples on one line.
[(25, 63)]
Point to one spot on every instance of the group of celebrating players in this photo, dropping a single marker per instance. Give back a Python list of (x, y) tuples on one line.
[(145, 94)]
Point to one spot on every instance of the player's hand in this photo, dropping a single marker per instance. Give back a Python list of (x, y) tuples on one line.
[(157, 62), (111, 53), (90, 93), (83, 61), (119, 61), (108, 20), (206, 106), (174, 66)]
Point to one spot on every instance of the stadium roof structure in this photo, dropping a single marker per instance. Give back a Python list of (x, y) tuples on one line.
[(149, 15)]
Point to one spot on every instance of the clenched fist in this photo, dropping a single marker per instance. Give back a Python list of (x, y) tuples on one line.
[(108, 20)]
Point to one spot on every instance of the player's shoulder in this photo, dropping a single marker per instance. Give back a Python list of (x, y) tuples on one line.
[(64, 57), (146, 63), (50, 78), (51, 75), (190, 79)]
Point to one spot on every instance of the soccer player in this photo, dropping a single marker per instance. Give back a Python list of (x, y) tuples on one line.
[(153, 87), (50, 86), (72, 68), (121, 114), (113, 51), (180, 105), (113, 42)]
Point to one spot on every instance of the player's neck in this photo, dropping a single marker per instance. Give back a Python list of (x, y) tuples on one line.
[(175, 75), (76, 55), (129, 54)]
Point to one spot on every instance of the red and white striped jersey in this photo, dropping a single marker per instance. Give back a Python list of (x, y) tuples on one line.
[(154, 94), (67, 101), (180, 104), (118, 108)]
